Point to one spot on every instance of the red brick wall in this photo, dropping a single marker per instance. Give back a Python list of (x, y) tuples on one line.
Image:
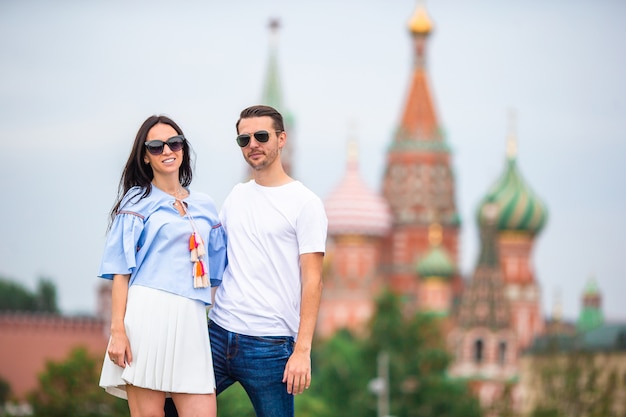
[(27, 341)]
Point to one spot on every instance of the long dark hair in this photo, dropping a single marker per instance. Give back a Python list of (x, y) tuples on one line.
[(139, 174)]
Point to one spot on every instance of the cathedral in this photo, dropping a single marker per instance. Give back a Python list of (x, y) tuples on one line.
[(405, 237)]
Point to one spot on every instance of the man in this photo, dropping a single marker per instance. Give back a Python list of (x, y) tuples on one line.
[(263, 319)]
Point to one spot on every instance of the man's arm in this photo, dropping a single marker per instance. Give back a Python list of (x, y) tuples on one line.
[(298, 369)]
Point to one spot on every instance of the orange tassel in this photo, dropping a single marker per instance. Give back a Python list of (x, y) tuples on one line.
[(193, 245), (200, 278)]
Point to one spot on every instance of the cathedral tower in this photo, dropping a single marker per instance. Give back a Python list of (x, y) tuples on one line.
[(483, 340), (273, 96), (521, 216), (418, 181), (358, 218)]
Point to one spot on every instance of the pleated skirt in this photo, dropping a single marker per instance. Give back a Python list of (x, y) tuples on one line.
[(169, 341)]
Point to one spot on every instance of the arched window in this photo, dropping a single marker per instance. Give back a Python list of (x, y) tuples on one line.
[(478, 351), (502, 352)]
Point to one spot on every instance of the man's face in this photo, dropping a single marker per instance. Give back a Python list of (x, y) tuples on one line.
[(258, 154)]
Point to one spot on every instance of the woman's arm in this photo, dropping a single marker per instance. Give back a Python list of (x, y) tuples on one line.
[(119, 346)]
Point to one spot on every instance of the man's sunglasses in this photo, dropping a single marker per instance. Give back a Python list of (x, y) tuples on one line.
[(261, 136), (175, 143)]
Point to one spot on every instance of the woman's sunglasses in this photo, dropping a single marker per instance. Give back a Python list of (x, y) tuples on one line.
[(261, 136), (175, 143)]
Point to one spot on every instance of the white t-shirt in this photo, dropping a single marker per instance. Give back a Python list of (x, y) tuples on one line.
[(267, 229)]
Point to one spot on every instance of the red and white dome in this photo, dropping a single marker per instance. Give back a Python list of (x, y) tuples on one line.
[(353, 208)]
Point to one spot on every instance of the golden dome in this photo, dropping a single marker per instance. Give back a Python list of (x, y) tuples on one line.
[(420, 22)]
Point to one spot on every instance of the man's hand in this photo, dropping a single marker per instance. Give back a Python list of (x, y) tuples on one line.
[(297, 373)]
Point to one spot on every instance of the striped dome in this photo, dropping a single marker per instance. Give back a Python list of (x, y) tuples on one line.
[(352, 208), (519, 208)]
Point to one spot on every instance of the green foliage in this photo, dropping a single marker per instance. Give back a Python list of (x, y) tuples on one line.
[(70, 388), (5, 390), (47, 296), (340, 376), (234, 402), (16, 297), (345, 365)]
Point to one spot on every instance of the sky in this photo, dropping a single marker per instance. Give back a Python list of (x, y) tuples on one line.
[(77, 79)]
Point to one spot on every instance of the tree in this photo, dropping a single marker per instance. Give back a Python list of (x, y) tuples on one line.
[(70, 388), (340, 377), (576, 383), (16, 297), (418, 385), (46, 298), (5, 390), (418, 382)]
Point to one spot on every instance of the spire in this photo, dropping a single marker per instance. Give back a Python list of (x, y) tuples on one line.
[(557, 308), (511, 142), (419, 119), (272, 94)]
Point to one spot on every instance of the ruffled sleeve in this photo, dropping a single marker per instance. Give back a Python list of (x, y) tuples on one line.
[(217, 254), (122, 245)]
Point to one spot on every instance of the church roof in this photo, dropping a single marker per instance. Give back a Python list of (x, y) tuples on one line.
[(519, 207), (419, 128), (353, 208), (437, 262), (604, 338), (590, 316)]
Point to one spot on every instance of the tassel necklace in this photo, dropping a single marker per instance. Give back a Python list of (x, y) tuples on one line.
[(197, 251)]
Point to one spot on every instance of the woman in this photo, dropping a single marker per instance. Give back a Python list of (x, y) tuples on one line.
[(164, 248)]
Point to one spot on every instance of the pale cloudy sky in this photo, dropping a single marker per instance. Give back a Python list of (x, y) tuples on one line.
[(78, 78)]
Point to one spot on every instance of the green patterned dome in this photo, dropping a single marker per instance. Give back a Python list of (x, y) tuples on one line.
[(436, 262), (519, 208)]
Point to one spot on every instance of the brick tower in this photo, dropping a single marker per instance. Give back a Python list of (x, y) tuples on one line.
[(418, 180), (521, 216)]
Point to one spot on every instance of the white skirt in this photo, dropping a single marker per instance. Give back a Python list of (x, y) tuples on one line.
[(169, 341)]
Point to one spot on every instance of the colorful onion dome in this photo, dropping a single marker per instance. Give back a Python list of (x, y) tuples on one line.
[(436, 262), (352, 208), (519, 208)]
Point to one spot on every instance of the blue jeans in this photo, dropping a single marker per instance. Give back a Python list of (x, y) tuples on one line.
[(258, 364)]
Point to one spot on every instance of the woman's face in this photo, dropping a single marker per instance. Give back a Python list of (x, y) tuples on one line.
[(168, 162)]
